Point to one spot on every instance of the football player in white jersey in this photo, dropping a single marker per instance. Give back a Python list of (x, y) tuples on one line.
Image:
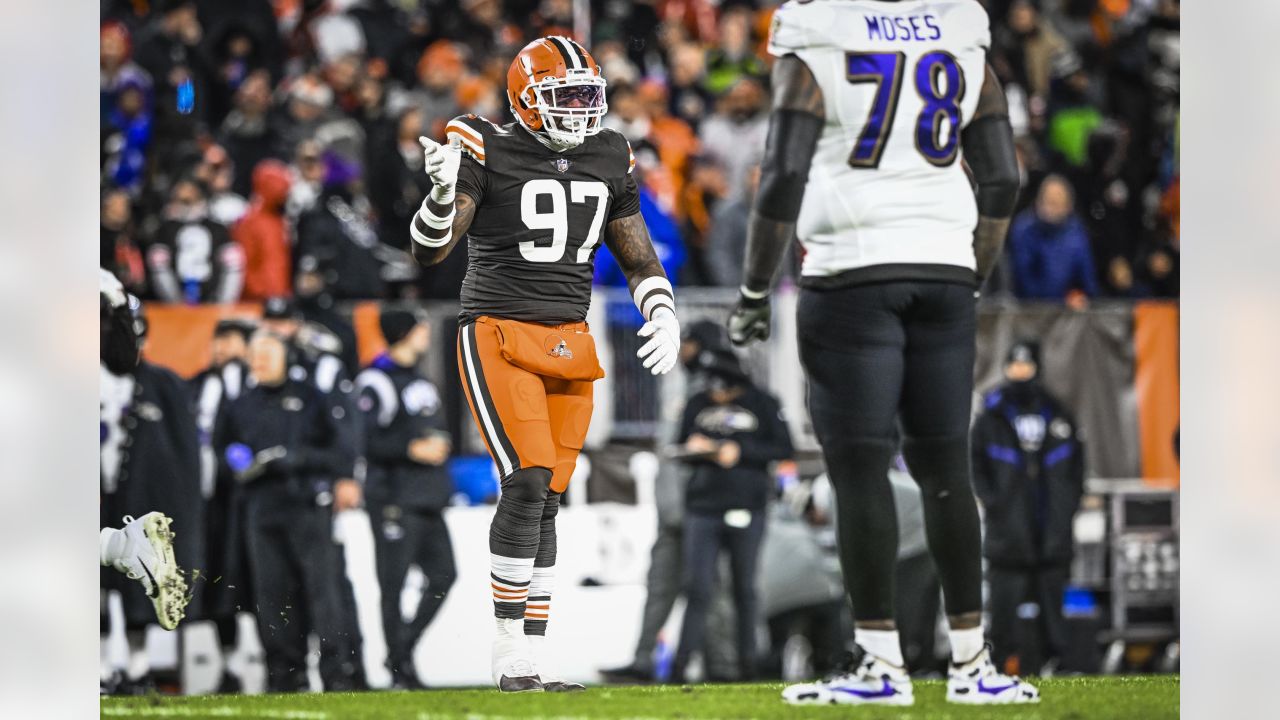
[(878, 107)]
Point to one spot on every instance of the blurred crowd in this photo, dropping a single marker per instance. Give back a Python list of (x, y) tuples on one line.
[(259, 148)]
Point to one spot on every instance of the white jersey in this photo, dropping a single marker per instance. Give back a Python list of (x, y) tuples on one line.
[(899, 80)]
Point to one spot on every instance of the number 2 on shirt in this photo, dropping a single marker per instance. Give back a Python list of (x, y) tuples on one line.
[(941, 101)]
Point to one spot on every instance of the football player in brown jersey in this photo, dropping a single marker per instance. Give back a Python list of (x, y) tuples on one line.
[(535, 198)]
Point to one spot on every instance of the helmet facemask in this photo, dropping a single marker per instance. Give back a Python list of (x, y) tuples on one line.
[(571, 107)]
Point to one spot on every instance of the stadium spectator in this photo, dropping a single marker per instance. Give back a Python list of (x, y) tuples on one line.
[(440, 70), (263, 235), (340, 235), (1024, 49), (218, 174), (116, 66), (688, 97), (1028, 472), (730, 433), (247, 133), (127, 135), (119, 248), (1050, 248), (733, 57), (734, 135), (726, 246), (168, 47), (192, 258)]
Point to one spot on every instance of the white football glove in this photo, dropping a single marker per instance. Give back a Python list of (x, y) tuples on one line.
[(441, 164), (663, 349)]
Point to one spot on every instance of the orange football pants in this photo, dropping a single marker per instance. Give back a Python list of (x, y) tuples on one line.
[(526, 420)]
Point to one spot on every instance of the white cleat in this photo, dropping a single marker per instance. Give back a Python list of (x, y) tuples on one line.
[(551, 680), (978, 682), (513, 669), (872, 682), (148, 558)]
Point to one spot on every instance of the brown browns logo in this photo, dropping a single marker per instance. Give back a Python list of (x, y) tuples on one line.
[(556, 347)]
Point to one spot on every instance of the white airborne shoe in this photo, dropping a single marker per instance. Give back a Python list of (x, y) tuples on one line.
[(978, 682), (513, 669), (147, 557), (872, 682)]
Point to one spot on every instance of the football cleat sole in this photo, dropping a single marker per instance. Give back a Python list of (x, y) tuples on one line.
[(170, 595)]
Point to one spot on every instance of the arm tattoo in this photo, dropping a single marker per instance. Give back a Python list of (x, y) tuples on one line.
[(628, 239), (465, 211)]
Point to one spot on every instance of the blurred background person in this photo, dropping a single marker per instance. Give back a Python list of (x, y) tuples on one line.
[(1049, 247), (264, 234), (731, 432), (666, 557), (1028, 472), (193, 258), (120, 254), (226, 572), (150, 461), (281, 442), (407, 485), (315, 357)]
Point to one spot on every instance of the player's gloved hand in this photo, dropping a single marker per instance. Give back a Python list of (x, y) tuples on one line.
[(663, 349), (749, 320), (441, 165), (111, 288)]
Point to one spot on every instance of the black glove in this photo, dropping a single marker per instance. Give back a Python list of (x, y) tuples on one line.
[(750, 320)]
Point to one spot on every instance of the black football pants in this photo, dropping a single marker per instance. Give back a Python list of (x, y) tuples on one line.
[(883, 358)]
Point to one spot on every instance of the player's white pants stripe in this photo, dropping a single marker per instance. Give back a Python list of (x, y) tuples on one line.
[(484, 411)]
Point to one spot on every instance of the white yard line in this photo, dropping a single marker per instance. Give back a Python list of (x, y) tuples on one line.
[(214, 711)]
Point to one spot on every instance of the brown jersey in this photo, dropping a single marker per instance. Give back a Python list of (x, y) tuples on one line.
[(540, 215)]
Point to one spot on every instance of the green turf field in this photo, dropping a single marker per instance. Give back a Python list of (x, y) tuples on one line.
[(1094, 698)]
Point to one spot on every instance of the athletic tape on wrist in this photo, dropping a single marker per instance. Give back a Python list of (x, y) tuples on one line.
[(430, 242), (434, 221), (652, 293)]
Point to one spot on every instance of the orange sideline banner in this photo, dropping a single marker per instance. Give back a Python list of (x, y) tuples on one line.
[(1156, 382), (178, 336)]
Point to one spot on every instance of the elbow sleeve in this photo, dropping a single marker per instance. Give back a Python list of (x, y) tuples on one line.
[(989, 150), (788, 151)]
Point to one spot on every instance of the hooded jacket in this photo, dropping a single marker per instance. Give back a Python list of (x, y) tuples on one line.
[(264, 236)]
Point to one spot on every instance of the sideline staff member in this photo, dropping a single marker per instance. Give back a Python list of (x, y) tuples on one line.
[(282, 440), (731, 431), (407, 485)]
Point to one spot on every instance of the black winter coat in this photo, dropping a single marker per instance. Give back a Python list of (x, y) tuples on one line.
[(400, 406), (1028, 471)]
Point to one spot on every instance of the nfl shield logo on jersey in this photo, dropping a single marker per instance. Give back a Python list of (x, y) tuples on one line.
[(560, 164)]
